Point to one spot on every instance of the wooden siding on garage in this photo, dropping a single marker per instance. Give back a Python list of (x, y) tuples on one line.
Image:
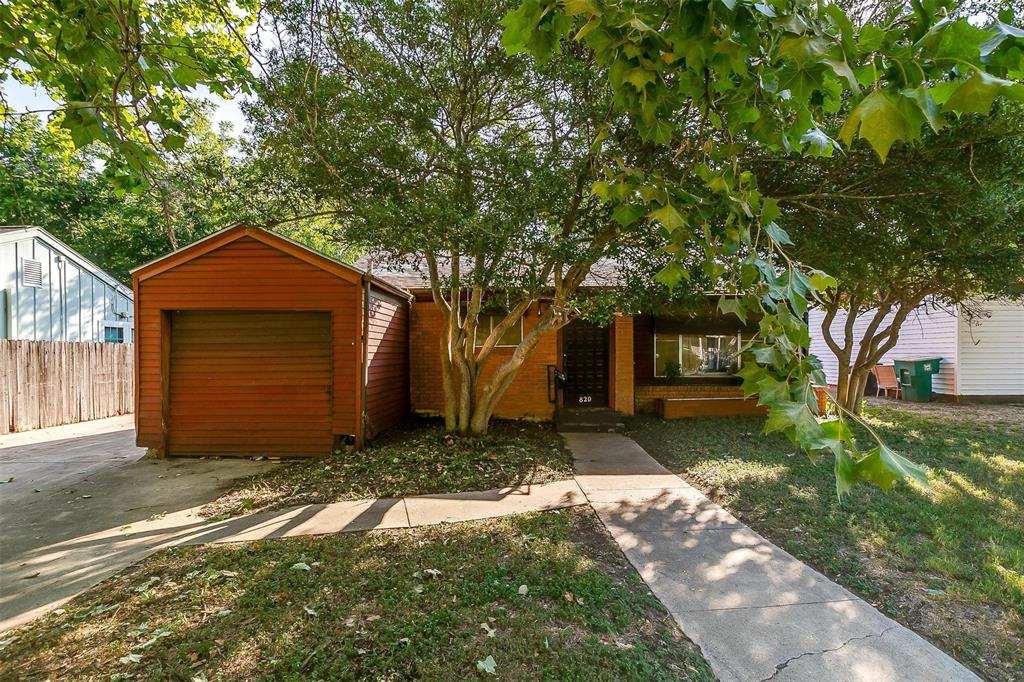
[(250, 383), (387, 361), (238, 271)]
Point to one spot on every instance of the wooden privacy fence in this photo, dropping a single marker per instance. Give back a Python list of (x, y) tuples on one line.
[(48, 383)]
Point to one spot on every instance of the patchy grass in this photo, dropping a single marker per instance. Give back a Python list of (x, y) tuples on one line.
[(423, 604), (417, 458), (949, 564)]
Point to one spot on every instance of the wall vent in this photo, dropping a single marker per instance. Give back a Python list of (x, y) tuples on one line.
[(31, 273)]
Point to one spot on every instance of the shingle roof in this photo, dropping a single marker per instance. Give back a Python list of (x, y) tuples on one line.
[(412, 273)]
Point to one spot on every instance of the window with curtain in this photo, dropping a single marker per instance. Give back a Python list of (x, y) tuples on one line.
[(697, 354)]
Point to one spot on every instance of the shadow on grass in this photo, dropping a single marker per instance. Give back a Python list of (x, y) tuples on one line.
[(949, 562), (415, 458), (428, 603)]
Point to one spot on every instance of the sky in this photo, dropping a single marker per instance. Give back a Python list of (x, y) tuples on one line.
[(25, 98)]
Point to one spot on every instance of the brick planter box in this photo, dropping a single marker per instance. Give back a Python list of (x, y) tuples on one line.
[(695, 400)]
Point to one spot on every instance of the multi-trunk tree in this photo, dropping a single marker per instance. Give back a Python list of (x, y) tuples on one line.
[(939, 224), (438, 150)]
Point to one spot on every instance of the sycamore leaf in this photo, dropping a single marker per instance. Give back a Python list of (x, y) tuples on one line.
[(731, 305), (574, 7), (820, 143), (879, 121), (627, 214), (976, 94), (802, 48), (770, 210), (822, 281), (843, 70), (601, 189), (923, 100), (846, 474), (1002, 32), (173, 142), (668, 216), (771, 390), (639, 78), (838, 434), (883, 467), (487, 665), (777, 234), (672, 274)]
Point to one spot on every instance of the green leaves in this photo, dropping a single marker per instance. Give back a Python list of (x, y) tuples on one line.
[(878, 120), (669, 217), (883, 467), (976, 94), (535, 28), (121, 75), (764, 81), (672, 274)]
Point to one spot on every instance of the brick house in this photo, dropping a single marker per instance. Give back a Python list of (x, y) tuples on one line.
[(674, 363), (247, 343)]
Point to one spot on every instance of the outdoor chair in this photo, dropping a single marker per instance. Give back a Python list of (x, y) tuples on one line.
[(885, 375)]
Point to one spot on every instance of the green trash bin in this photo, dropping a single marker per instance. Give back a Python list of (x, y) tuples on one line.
[(915, 377)]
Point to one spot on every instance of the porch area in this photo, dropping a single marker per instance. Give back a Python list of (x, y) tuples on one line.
[(672, 364)]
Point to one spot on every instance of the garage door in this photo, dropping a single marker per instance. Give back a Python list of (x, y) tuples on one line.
[(250, 383)]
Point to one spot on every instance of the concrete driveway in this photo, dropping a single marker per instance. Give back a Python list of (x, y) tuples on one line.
[(71, 497)]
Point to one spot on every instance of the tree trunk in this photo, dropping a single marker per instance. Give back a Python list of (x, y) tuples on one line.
[(873, 344), (492, 392)]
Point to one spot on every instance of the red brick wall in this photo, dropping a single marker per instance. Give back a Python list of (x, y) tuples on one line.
[(621, 370), (526, 398), (646, 396)]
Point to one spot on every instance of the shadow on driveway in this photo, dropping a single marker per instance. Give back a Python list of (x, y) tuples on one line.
[(71, 515)]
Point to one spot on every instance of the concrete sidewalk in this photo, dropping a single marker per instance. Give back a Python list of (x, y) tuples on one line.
[(42, 578), (756, 612)]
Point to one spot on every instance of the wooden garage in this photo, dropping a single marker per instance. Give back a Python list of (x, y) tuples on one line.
[(248, 344)]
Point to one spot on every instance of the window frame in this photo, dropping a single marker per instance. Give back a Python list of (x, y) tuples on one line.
[(679, 352), (490, 327), (114, 324)]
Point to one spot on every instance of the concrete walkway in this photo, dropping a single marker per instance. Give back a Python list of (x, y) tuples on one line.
[(756, 612), (40, 578)]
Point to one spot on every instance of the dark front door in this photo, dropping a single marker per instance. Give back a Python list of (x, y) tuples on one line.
[(585, 364)]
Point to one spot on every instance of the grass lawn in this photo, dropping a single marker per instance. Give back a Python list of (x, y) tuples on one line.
[(949, 564), (539, 596), (417, 458)]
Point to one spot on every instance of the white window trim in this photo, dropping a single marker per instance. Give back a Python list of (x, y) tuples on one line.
[(679, 352), (125, 326)]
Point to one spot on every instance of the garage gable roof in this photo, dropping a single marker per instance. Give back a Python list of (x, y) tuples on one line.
[(271, 239)]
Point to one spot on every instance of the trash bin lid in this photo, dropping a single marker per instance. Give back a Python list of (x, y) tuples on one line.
[(928, 358)]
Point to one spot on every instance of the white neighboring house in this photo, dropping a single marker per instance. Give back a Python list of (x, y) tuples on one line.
[(982, 358), (52, 293)]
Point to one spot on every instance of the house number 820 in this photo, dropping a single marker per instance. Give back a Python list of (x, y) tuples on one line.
[(586, 399)]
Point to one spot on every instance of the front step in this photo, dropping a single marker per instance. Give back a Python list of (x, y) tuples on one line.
[(588, 420)]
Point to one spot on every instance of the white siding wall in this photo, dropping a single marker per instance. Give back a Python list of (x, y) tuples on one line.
[(992, 351), (926, 332), (72, 305)]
